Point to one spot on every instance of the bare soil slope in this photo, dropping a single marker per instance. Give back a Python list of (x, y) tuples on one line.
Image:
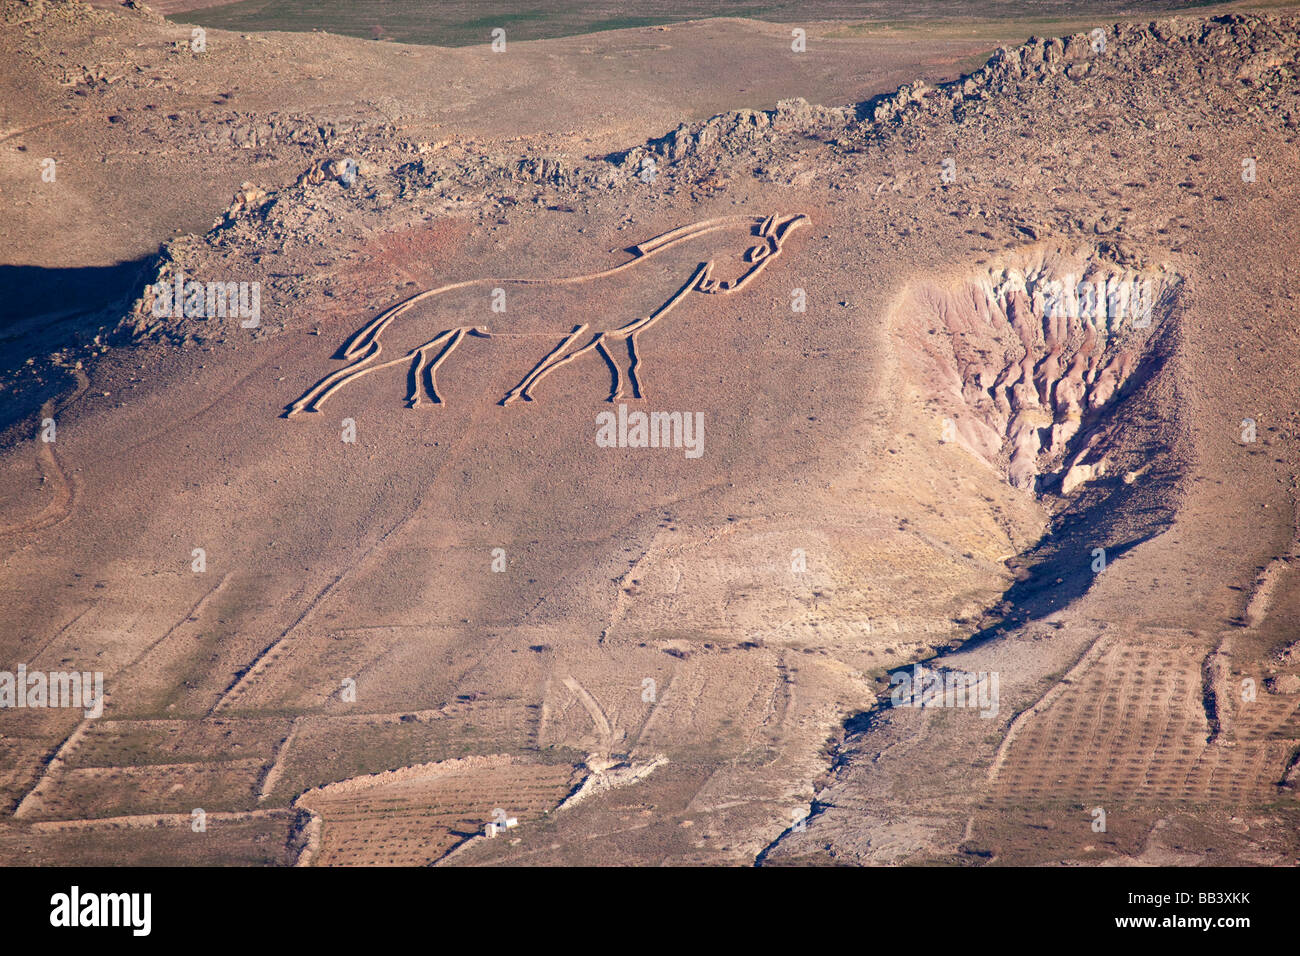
[(906, 454)]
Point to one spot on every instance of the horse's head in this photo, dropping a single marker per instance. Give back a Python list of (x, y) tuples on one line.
[(728, 272)]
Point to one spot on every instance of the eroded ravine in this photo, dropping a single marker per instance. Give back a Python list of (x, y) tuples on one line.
[(1039, 368)]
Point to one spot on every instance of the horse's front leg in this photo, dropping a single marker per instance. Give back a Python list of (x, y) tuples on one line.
[(628, 334), (554, 359), (620, 350)]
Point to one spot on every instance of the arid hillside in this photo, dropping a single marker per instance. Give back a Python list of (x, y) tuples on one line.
[(616, 435)]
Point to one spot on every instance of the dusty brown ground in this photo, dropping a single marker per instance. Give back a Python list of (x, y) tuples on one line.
[(681, 638)]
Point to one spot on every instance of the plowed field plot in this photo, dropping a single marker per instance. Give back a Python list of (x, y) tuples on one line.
[(1133, 728), (415, 816)]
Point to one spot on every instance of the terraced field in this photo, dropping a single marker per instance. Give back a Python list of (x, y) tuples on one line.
[(415, 816)]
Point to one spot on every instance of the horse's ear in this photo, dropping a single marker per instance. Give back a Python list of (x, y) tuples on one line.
[(780, 225)]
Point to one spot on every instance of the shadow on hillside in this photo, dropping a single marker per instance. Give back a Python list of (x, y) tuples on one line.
[(46, 310)]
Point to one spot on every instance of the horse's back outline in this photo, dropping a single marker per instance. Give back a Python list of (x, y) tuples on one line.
[(364, 345)]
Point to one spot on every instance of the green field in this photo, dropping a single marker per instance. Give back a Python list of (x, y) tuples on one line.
[(466, 22)]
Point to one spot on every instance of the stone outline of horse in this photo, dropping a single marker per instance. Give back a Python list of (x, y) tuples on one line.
[(364, 345)]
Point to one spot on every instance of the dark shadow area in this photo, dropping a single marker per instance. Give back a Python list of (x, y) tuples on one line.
[(29, 292), (1061, 572), (47, 311)]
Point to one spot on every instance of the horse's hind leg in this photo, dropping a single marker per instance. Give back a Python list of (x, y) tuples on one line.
[(314, 399), (315, 396), (417, 372), (425, 373)]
